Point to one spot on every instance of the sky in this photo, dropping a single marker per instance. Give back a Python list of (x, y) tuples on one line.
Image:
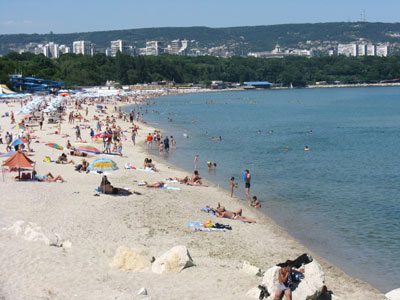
[(43, 16)]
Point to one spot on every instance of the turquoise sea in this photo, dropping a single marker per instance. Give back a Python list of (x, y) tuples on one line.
[(341, 198)]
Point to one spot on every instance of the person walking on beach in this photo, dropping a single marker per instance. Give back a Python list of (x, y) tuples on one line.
[(149, 141), (247, 185), (78, 132), (133, 137)]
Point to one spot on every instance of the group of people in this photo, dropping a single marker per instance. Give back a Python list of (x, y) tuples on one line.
[(163, 144)]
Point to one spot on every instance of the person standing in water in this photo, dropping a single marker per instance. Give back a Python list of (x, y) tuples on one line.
[(247, 185), (196, 160)]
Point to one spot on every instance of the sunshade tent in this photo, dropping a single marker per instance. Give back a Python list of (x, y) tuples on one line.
[(18, 126), (87, 148), (102, 164), (18, 160)]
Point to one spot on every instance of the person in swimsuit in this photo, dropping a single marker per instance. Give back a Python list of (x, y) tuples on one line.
[(220, 212), (247, 185), (283, 286)]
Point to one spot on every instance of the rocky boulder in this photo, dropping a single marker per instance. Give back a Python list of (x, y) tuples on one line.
[(393, 295), (132, 260), (173, 261), (310, 287)]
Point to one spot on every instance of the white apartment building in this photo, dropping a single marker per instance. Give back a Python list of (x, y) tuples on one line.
[(82, 47), (371, 50), (362, 50), (178, 47), (119, 45), (382, 50), (347, 49), (154, 48)]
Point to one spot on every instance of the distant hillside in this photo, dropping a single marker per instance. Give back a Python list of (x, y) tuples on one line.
[(238, 39)]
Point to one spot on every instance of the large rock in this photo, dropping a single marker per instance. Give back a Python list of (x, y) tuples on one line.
[(393, 295), (173, 261), (130, 260), (309, 288), (250, 269)]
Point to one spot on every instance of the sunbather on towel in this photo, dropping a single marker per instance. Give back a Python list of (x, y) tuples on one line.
[(220, 212), (157, 184), (47, 178)]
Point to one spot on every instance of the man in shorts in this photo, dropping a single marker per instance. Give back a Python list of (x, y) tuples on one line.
[(149, 141), (285, 283), (247, 185)]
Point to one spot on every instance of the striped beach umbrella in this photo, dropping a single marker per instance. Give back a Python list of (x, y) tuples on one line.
[(18, 126), (17, 142), (103, 164), (87, 148), (55, 146)]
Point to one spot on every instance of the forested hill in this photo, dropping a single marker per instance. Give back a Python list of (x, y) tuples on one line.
[(250, 38)]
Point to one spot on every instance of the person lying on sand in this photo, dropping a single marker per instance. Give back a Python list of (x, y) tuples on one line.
[(79, 153), (220, 212), (47, 178), (107, 188), (157, 184)]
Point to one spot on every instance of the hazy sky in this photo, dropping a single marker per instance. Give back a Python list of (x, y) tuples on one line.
[(63, 16)]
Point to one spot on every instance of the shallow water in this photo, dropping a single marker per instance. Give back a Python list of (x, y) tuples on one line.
[(341, 198)]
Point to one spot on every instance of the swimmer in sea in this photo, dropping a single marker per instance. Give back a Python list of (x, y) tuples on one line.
[(217, 138), (306, 148)]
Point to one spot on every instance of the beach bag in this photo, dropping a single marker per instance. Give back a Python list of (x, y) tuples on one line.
[(47, 159), (208, 224)]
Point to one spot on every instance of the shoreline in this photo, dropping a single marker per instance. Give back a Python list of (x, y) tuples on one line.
[(155, 221), (325, 262)]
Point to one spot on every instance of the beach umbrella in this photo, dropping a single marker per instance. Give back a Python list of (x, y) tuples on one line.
[(87, 148), (102, 135), (64, 94), (18, 126), (103, 164), (55, 146), (17, 142)]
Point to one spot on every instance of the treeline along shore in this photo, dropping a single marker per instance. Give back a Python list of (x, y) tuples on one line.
[(79, 70)]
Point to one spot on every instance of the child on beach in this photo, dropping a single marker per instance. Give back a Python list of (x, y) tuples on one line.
[(256, 203), (233, 184)]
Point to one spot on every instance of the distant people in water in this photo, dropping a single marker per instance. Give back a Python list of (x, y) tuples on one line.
[(271, 132), (211, 165), (287, 148), (259, 132), (196, 160), (310, 131), (306, 148), (217, 138)]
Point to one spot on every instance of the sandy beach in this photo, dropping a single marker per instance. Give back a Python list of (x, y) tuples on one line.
[(95, 225)]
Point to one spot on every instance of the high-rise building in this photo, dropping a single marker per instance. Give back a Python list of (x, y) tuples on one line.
[(179, 47), (119, 45), (82, 47), (382, 50), (362, 50), (371, 50), (347, 49), (154, 48)]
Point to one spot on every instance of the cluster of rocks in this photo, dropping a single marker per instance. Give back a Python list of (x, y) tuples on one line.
[(311, 287), (134, 260)]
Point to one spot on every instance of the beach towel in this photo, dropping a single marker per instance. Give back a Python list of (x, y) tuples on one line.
[(170, 188), (195, 224), (129, 166), (209, 210), (208, 229), (145, 170)]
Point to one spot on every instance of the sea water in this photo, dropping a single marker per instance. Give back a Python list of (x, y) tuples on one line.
[(341, 198)]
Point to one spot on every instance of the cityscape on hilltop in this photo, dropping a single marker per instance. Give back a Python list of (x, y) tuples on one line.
[(184, 47)]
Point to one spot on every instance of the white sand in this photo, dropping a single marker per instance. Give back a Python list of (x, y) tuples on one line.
[(155, 221)]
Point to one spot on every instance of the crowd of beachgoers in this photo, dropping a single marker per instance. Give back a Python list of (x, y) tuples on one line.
[(82, 151)]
